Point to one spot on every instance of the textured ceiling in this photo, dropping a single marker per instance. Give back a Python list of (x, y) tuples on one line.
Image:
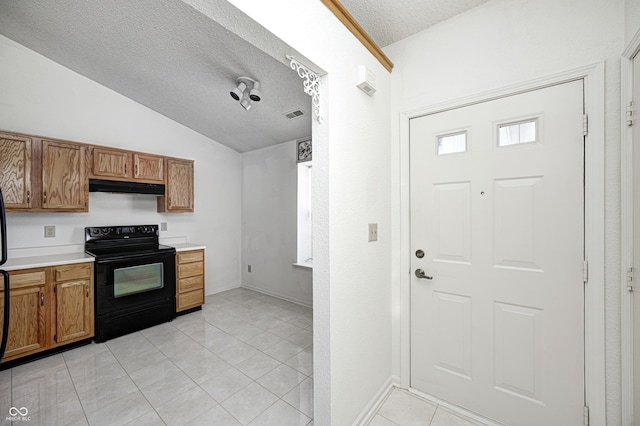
[(390, 21), (182, 57), (170, 57)]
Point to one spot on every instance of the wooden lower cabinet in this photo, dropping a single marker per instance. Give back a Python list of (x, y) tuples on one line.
[(190, 279), (27, 321), (50, 307), (73, 289)]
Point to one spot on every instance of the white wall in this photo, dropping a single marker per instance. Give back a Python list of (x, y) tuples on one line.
[(506, 42), (351, 277), (631, 19), (269, 224), (43, 98)]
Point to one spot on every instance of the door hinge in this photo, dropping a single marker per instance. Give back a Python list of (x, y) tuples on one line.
[(629, 113), (585, 271), (585, 124), (630, 278), (585, 421)]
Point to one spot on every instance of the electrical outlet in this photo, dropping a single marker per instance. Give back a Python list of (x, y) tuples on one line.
[(249, 268), (163, 226), (373, 232), (49, 231)]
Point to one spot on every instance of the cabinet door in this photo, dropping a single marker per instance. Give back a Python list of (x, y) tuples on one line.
[(149, 168), (15, 171), (27, 331), (110, 163), (64, 177), (179, 187), (74, 311)]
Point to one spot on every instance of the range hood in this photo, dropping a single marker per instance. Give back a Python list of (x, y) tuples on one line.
[(100, 185)]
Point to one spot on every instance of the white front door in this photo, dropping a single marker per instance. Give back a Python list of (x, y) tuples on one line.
[(497, 229)]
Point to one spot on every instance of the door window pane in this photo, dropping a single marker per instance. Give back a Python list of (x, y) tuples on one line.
[(517, 133), (450, 144)]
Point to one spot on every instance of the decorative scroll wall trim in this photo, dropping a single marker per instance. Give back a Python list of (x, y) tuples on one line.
[(305, 150), (311, 84), (352, 25)]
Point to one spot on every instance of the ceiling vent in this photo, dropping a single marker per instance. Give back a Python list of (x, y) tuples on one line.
[(294, 114)]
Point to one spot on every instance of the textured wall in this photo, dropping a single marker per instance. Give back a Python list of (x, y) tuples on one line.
[(43, 98), (269, 224), (506, 42)]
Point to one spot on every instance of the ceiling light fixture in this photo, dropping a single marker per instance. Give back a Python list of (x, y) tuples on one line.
[(239, 93)]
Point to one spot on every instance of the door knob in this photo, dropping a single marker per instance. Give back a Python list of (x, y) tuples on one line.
[(420, 274)]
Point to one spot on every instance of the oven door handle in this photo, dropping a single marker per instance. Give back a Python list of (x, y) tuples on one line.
[(152, 256)]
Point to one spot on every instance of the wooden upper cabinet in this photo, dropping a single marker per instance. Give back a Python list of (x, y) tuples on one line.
[(179, 187), (148, 168), (64, 176), (15, 171), (107, 163)]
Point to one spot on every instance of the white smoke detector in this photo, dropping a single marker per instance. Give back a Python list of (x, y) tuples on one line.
[(366, 80)]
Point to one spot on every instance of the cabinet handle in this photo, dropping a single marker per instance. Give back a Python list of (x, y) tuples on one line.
[(45, 197), (125, 169), (28, 197), (136, 170), (41, 298), (87, 290)]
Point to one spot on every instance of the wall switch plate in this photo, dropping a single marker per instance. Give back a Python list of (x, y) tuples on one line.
[(49, 231), (163, 226), (373, 232)]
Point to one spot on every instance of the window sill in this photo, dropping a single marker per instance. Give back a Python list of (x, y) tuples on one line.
[(306, 265)]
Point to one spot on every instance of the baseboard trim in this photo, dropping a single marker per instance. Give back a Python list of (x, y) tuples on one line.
[(376, 402), (455, 409), (217, 290), (278, 295)]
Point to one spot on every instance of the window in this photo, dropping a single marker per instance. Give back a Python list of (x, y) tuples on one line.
[(305, 217), (451, 144), (517, 133)]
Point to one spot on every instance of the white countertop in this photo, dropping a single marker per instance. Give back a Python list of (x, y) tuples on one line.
[(47, 260), (187, 246), (40, 257)]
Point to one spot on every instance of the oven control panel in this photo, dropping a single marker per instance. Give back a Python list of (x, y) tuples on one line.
[(118, 232)]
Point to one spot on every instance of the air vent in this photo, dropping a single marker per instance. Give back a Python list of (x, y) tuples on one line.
[(294, 114)]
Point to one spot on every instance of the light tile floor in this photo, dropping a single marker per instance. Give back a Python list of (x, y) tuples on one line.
[(245, 359), (406, 409)]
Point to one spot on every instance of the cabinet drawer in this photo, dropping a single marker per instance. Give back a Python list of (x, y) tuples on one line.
[(25, 279), (191, 256), (72, 272), (190, 300), (190, 270), (191, 283)]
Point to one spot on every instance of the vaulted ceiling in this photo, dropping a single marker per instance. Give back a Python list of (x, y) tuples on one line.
[(182, 63)]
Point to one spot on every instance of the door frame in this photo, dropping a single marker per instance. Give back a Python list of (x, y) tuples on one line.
[(594, 314), (627, 246)]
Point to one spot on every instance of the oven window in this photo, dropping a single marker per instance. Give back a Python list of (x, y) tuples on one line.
[(137, 279)]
